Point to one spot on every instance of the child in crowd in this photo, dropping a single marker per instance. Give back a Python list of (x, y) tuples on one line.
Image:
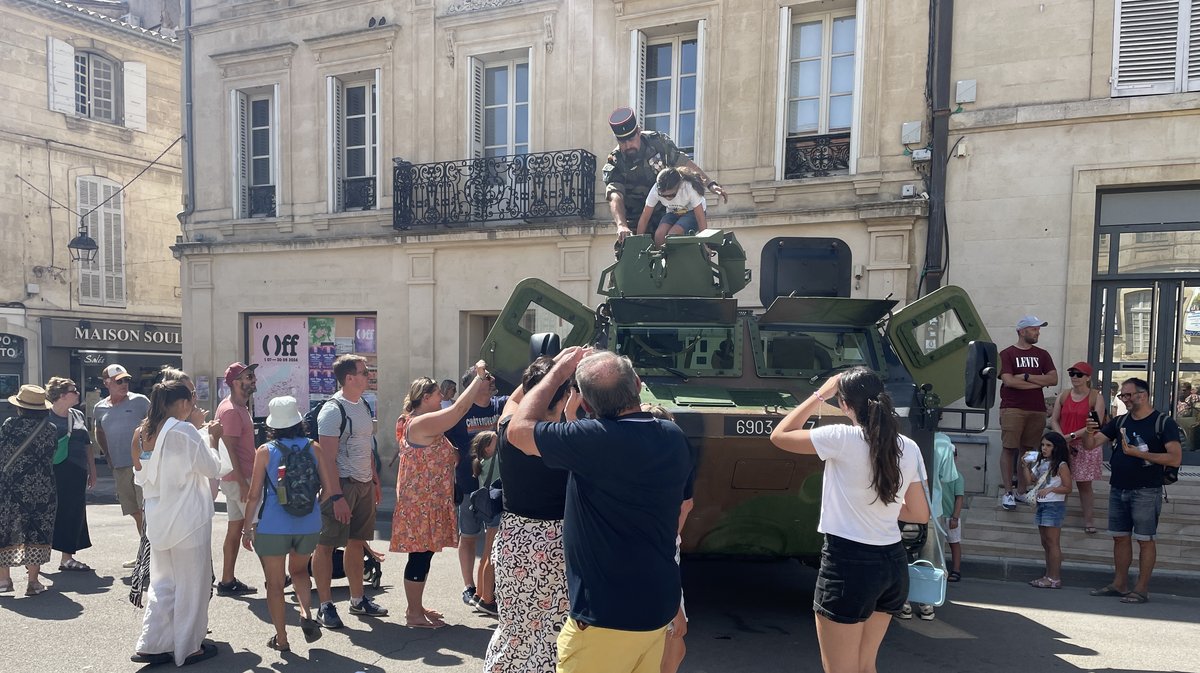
[(947, 503), (953, 495), (483, 452), (1050, 473), (681, 192)]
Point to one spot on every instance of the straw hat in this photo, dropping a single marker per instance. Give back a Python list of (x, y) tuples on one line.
[(283, 413), (30, 397)]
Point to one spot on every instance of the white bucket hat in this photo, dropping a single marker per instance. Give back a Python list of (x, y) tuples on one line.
[(283, 413)]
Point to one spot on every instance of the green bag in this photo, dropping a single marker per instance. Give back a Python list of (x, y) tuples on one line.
[(60, 454)]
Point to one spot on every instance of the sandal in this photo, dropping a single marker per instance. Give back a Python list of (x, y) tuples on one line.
[(1108, 590), (954, 576), (1046, 583), (207, 651), (77, 566), (1090, 530), (274, 645), (152, 659), (311, 629), (34, 588), (1135, 597)]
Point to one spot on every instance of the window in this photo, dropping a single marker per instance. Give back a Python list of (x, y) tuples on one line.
[(255, 127), (1156, 47), (500, 105), (353, 141), (102, 281), (665, 84), (817, 74), (93, 86)]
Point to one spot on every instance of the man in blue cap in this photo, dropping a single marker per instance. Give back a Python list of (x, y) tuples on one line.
[(634, 165)]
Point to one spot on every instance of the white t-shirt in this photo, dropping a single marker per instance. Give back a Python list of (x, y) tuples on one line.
[(1040, 468), (850, 508), (684, 201)]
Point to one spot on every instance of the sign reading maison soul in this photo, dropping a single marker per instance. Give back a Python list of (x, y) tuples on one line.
[(127, 335), (112, 335)]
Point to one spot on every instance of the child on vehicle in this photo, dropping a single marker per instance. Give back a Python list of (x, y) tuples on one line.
[(681, 192), (1050, 473)]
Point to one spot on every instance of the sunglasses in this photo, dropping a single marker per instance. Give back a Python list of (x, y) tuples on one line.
[(1076, 375), (1125, 396)]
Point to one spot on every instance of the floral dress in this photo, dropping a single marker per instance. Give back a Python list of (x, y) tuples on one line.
[(424, 516), (28, 498)]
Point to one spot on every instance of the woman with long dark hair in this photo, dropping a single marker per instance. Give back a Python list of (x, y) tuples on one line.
[(871, 481), (176, 464)]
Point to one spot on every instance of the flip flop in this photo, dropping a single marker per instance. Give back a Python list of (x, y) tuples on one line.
[(1135, 597), (207, 651), (954, 576), (274, 645), (152, 659), (1090, 530), (427, 624), (1108, 590), (311, 629)]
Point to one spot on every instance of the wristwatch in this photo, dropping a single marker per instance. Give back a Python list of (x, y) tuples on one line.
[(335, 497), (1026, 377)]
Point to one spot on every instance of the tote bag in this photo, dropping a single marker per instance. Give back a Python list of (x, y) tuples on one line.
[(927, 574)]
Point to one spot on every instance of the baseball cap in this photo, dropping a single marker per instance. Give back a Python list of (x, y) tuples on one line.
[(623, 122), (235, 370), (1030, 321), (116, 373), (1081, 367)]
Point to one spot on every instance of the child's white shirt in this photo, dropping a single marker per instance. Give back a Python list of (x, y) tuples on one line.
[(684, 201)]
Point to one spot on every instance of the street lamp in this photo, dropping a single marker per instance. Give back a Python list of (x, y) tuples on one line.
[(83, 247)]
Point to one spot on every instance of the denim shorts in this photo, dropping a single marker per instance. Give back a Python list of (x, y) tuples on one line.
[(1051, 514), (857, 580), (1135, 510), (686, 221)]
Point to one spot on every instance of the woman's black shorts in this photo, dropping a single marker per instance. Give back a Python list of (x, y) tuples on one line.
[(858, 579)]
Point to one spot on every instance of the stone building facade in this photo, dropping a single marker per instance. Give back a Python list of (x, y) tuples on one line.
[(91, 101)]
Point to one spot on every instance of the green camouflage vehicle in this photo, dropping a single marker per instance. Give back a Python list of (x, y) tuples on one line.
[(730, 374)]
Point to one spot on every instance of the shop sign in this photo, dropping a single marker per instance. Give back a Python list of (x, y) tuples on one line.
[(127, 336), (12, 349), (96, 359), (110, 335)]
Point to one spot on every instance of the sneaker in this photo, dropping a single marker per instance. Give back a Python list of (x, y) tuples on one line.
[(234, 588), (328, 616), (905, 612), (1024, 499), (1008, 502), (468, 596), (367, 607), (925, 612), (129, 564), (487, 608)]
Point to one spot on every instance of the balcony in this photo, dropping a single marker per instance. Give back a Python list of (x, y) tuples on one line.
[(512, 188), (816, 156), (262, 201), (358, 193)]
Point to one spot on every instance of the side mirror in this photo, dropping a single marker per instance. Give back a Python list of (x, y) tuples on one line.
[(544, 343), (982, 372)]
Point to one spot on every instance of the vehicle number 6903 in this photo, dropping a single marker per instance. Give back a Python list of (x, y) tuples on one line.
[(754, 426)]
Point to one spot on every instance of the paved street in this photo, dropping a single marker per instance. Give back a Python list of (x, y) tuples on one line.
[(745, 617)]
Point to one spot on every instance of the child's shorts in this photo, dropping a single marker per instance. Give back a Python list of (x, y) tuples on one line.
[(1051, 514), (953, 535)]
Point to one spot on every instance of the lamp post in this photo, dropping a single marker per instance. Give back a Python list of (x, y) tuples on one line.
[(83, 247)]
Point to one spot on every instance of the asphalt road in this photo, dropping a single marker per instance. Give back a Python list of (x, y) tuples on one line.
[(744, 617)]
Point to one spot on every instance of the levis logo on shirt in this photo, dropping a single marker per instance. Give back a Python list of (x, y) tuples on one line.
[(1028, 361)]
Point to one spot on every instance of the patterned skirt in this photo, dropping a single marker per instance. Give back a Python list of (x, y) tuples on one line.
[(531, 592), (1086, 464)]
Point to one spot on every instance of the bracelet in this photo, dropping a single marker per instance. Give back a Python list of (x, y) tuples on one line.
[(712, 183), (818, 396)]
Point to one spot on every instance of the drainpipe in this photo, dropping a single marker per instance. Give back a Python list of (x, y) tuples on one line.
[(189, 160), (941, 33)]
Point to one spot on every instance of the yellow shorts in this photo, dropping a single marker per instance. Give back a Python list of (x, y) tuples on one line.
[(593, 648)]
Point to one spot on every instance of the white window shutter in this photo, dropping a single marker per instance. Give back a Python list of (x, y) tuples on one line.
[(781, 89), (701, 45), (637, 73), (334, 147), (377, 135), (87, 192), (60, 64), (1193, 53), (476, 96), (112, 217), (135, 95), (1145, 47), (239, 107)]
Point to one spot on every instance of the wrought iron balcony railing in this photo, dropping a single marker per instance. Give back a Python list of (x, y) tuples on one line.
[(540, 185), (262, 201), (816, 156), (358, 193)]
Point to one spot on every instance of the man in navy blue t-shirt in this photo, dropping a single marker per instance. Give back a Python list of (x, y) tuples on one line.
[(628, 471)]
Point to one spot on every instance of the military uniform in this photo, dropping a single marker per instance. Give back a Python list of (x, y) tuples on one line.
[(633, 178)]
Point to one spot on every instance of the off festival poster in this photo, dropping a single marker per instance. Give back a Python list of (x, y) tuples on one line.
[(278, 345)]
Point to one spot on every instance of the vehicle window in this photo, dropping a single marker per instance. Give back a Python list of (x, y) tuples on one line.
[(790, 352), (694, 350), (538, 318)]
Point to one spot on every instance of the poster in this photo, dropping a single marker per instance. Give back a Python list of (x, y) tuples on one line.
[(277, 346), (202, 388), (364, 336), (322, 352)]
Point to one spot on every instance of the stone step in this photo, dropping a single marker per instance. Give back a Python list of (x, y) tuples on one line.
[(987, 509), (1169, 545), (1101, 559)]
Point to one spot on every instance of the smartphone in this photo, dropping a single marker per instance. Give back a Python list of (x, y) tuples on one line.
[(1094, 416)]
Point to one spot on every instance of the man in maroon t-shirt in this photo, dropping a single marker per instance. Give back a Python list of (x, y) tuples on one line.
[(1025, 370)]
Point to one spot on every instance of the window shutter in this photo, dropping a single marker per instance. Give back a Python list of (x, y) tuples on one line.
[(135, 95), (60, 63), (377, 135), (240, 113), (1193, 55), (334, 96), (701, 44), (781, 89), (637, 73), (1146, 46), (87, 194), (476, 96), (112, 216)]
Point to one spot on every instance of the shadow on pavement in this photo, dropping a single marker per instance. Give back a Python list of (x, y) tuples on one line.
[(82, 583), (51, 606)]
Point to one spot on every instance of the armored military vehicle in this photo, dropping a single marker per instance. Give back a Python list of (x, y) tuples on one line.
[(729, 374)]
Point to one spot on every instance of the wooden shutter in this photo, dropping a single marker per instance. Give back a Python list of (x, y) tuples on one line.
[(135, 95), (60, 64), (637, 73), (239, 106), (335, 95), (1145, 47), (701, 43), (475, 94), (112, 218), (376, 143), (1193, 54), (781, 88), (90, 278)]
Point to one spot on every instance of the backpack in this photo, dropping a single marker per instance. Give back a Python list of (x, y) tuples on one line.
[(301, 480), (1170, 473), (310, 427)]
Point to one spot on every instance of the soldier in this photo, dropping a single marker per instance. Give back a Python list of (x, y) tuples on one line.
[(633, 166)]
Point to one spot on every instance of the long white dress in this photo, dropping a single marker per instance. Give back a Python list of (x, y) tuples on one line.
[(179, 510)]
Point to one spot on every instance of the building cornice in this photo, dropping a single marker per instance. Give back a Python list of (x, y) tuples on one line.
[(273, 56), (1076, 112), (262, 11), (81, 17), (359, 38)]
